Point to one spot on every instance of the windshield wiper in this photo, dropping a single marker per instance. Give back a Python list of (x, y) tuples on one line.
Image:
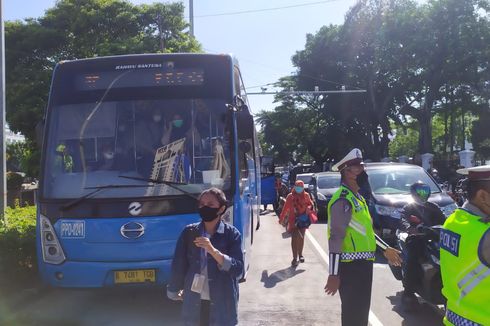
[(171, 184), (97, 189)]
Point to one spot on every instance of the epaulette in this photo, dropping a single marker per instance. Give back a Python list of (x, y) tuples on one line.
[(344, 193)]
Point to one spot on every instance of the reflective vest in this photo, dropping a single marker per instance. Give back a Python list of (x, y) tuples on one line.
[(359, 241), (465, 279)]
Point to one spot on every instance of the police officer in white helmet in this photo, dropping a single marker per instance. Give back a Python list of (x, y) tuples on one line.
[(352, 244)]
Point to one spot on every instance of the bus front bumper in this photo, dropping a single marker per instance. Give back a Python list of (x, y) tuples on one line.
[(103, 274)]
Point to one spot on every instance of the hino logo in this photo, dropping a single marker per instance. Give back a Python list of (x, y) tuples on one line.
[(132, 230), (135, 208)]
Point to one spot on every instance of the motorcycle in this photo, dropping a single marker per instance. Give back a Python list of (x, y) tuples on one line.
[(281, 195), (430, 285)]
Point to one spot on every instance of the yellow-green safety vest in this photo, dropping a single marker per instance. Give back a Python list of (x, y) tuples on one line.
[(359, 241), (465, 279)]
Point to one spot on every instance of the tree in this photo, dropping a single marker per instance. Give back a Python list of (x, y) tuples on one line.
[(449, 57), (413, 61), (75, 29), (481, 135), (405, 141)]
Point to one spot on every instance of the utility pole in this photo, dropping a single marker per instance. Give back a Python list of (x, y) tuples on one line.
[(191, 17), (3, 177)]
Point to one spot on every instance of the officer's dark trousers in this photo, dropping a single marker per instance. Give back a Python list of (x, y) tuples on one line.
[(356, 279)]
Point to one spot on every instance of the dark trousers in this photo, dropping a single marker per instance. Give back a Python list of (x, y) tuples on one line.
[(356, 280), (204, 320), (411, 267)]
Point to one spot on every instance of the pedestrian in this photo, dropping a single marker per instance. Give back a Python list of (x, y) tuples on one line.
[(465, 254), (352, 244), (207, 264), (297, 211)]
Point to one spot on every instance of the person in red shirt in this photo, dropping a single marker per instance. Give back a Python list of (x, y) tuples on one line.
[(298, 203)]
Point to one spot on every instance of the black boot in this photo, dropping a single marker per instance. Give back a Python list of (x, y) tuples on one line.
[(409, 300)]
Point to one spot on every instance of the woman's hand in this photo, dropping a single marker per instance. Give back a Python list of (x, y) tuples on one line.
[(205, 243)]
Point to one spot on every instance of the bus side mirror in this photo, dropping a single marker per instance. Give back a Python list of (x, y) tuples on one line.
[(245, 125), (40, 133)]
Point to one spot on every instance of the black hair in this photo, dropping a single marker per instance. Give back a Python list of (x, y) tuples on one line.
[(473, 186), (216, 192)]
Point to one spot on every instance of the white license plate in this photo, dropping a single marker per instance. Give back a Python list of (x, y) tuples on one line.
[(72, 229), (386, 232)]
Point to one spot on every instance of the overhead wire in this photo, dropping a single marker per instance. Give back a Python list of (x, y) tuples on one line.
[(265, 9), (268, 66)]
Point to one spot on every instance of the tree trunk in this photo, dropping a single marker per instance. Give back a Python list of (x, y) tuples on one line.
[(425, 137)]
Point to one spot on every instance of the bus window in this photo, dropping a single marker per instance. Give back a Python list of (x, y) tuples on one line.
[(172, 140)]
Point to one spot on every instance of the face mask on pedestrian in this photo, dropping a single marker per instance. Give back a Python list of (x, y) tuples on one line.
[(208, 213), (178, 123), (299, 189)]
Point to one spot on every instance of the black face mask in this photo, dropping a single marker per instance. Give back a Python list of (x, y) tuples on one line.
[(208, 213)]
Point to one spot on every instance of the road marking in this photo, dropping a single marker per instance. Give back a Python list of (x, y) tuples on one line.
[(373, 320)]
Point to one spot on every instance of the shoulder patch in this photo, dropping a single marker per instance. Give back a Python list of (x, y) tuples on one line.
[(344, 193), (450, 242)]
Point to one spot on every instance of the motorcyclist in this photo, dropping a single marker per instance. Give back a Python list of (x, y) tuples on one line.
[(414, 216)]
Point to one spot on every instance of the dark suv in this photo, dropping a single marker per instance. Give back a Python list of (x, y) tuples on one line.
[(390, 191)]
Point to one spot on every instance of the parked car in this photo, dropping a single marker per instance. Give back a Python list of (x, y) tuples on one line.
[(390, 191), (306, 178), (322, 186), (298, 169)]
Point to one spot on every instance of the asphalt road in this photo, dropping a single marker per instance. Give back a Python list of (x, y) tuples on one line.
[(274, 294)]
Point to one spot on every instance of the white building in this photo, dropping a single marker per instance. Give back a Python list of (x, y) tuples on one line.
[(12, 137)]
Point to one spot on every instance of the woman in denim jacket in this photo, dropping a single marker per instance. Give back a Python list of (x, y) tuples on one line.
[(207, 264)]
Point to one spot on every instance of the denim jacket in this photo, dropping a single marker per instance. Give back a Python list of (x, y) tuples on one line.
[(223, 280)]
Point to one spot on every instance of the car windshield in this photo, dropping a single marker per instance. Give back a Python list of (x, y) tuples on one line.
[(305, 178), (130, 141), (398, 181), (329, 181)]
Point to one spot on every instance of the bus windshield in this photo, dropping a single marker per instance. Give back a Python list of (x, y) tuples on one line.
[(130, 141)]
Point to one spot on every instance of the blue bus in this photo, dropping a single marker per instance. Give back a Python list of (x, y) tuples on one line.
[(129, 143)]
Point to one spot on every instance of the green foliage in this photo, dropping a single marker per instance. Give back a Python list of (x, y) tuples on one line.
[(481, 135), (412, 59), (75, 29), (14, 181), (18, 245), (405, 141), (22, 158)]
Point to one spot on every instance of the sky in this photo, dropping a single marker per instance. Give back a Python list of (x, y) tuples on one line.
[(263, 41)]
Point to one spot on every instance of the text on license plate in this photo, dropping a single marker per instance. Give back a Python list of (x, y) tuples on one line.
[(134, 276)]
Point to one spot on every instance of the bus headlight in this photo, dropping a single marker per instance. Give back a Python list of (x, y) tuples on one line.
[(51, 248)]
